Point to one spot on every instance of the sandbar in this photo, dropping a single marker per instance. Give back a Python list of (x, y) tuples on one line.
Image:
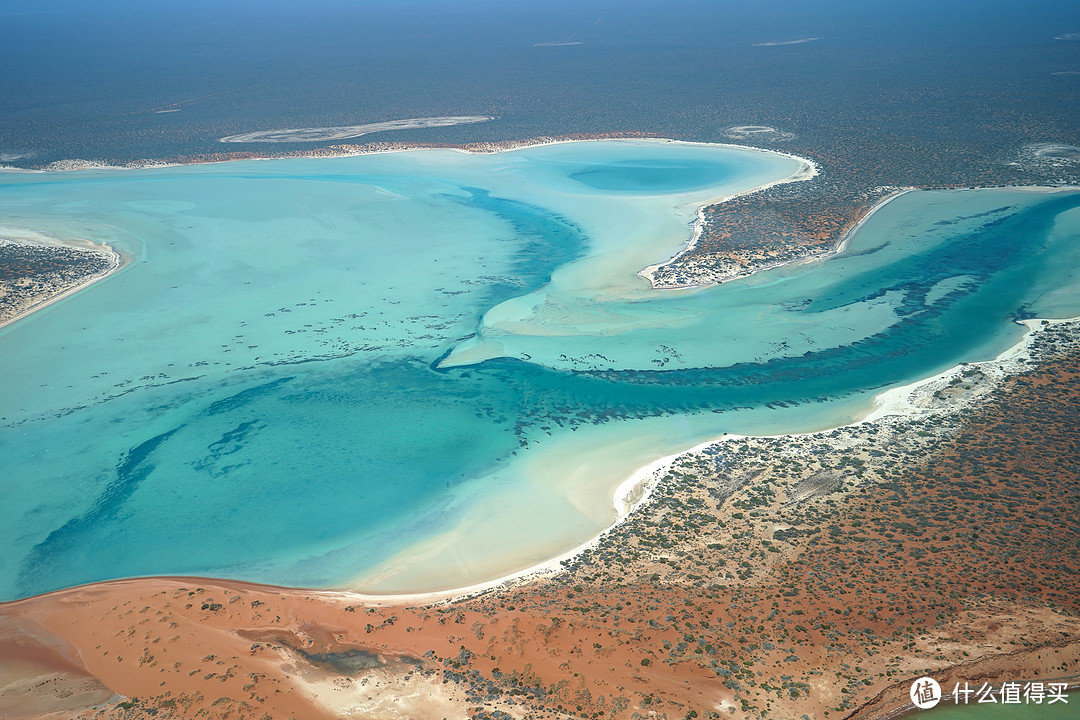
[(345, 132), (786, 42)]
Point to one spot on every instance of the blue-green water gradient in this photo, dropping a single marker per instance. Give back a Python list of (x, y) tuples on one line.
[(312, 365)]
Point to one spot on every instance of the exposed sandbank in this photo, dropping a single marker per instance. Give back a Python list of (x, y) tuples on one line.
[(786, 42), (347, 132), (349, 150)]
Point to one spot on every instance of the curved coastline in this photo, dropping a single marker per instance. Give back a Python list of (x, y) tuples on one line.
[(804, 167), (905, 402), (377, 148), (809, 171), (635, 490), (649, 273), (116, 259)]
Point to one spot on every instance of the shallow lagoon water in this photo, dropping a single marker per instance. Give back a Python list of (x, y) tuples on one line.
[(1069, 709), (418, 370)]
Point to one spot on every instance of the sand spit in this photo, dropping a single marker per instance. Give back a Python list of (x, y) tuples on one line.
[(800, 41), (893, 193), (53, 270), (347, 132), (335, 151)]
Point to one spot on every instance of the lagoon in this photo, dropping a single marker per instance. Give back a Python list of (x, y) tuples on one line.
[(1069, 709), (419, 370)]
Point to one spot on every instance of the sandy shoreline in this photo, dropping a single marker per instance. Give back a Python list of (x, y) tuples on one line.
[(247, 643), (842, 244), (649, 272), (907, 402), (808, 171), (376, 148), (636, 490), (632, 493), (116, 261)]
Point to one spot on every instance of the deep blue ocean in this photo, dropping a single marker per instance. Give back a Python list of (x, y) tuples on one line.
[(87, 80)]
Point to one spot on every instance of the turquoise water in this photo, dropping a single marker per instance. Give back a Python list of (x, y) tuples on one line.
[(947, 710), (418, 370)]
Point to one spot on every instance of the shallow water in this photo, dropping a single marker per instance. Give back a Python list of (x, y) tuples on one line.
[(949, 710), (423, 369)]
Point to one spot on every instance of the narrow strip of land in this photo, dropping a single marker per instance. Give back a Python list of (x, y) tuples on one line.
[(345, 132)]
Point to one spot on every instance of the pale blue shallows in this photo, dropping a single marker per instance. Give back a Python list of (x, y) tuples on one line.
[(312, 366)]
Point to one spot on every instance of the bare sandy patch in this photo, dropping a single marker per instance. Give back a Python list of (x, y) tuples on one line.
[(345, 132)]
